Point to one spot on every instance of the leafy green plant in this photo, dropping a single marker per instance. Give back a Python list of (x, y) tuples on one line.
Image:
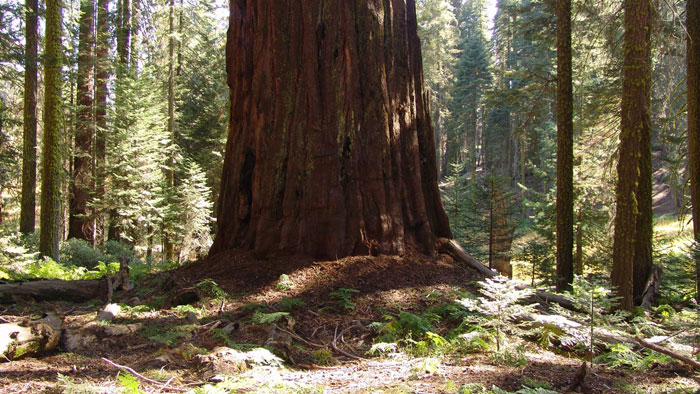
[(596, 299), (343, 298), (259, 317), (514, 357), (498, 305), (69, 386), (211, 288), (49, 269), (288, 304), (284, 283), (183, 310), (383, 348), (130, 385), (322, 357)]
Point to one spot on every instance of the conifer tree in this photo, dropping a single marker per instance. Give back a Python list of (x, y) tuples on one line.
[(102, 72), (565, 149), (693, 81), (80, 224), (27, 213), (631, 259), (51, 150)]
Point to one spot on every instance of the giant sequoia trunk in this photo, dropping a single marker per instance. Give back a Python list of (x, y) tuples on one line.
[(330, 149)]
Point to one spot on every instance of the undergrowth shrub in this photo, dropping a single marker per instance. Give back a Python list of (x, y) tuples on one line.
[(498, 305)]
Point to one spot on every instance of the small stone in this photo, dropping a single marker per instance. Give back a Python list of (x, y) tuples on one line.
[(229, 328), (192, 318), (119, 330), (108, 313), (134, 301)]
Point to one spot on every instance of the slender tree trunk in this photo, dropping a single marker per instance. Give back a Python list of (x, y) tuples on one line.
[(631, 229), (123, 47), (51, 162), (124, 33), (168, 248), (330, 149), (80, 224), (693, 59), (134, 35), (578, 260), (102, 68), (565, 149), (27, 212)]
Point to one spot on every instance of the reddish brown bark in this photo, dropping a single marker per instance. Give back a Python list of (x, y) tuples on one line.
[(330, 149), (80, 224)]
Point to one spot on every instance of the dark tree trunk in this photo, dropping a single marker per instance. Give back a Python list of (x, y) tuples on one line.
[(80, 223), (102, 68), (28, 208), (123, 46), (632, 227), (693, 54), (123, 32), (565, 149), (330, 149)]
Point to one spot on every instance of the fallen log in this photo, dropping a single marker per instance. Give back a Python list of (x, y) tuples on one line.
[(37, 337), (454, 249), (54, 289), (659, 349)]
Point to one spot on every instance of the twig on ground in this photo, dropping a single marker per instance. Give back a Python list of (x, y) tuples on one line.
[(160, 385), (341, 351), (222, 306), (296, 336)]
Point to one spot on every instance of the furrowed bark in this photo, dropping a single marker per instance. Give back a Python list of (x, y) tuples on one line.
[(330, 149)]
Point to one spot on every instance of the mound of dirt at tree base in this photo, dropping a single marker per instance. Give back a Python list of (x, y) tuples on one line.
[(240, 272)]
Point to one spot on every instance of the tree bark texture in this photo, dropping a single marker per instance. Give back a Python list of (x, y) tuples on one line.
[(51, 161), (330, 149), (79, 222), (565, 149), (27, 215), (693, 60), (631, 225), (102, 67)]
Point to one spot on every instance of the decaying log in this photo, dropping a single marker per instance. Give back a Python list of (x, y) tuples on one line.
[(454, 249), (652, 287), (66, 290), (37, 337), (54, 289), (659, 349)]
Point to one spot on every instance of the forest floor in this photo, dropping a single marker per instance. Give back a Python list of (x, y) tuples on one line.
[(316, 315)]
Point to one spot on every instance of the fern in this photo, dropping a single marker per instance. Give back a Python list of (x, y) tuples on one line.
[(259, 317), (343, 298)]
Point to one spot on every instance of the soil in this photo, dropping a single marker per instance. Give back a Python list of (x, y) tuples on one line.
[(384, 284)]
